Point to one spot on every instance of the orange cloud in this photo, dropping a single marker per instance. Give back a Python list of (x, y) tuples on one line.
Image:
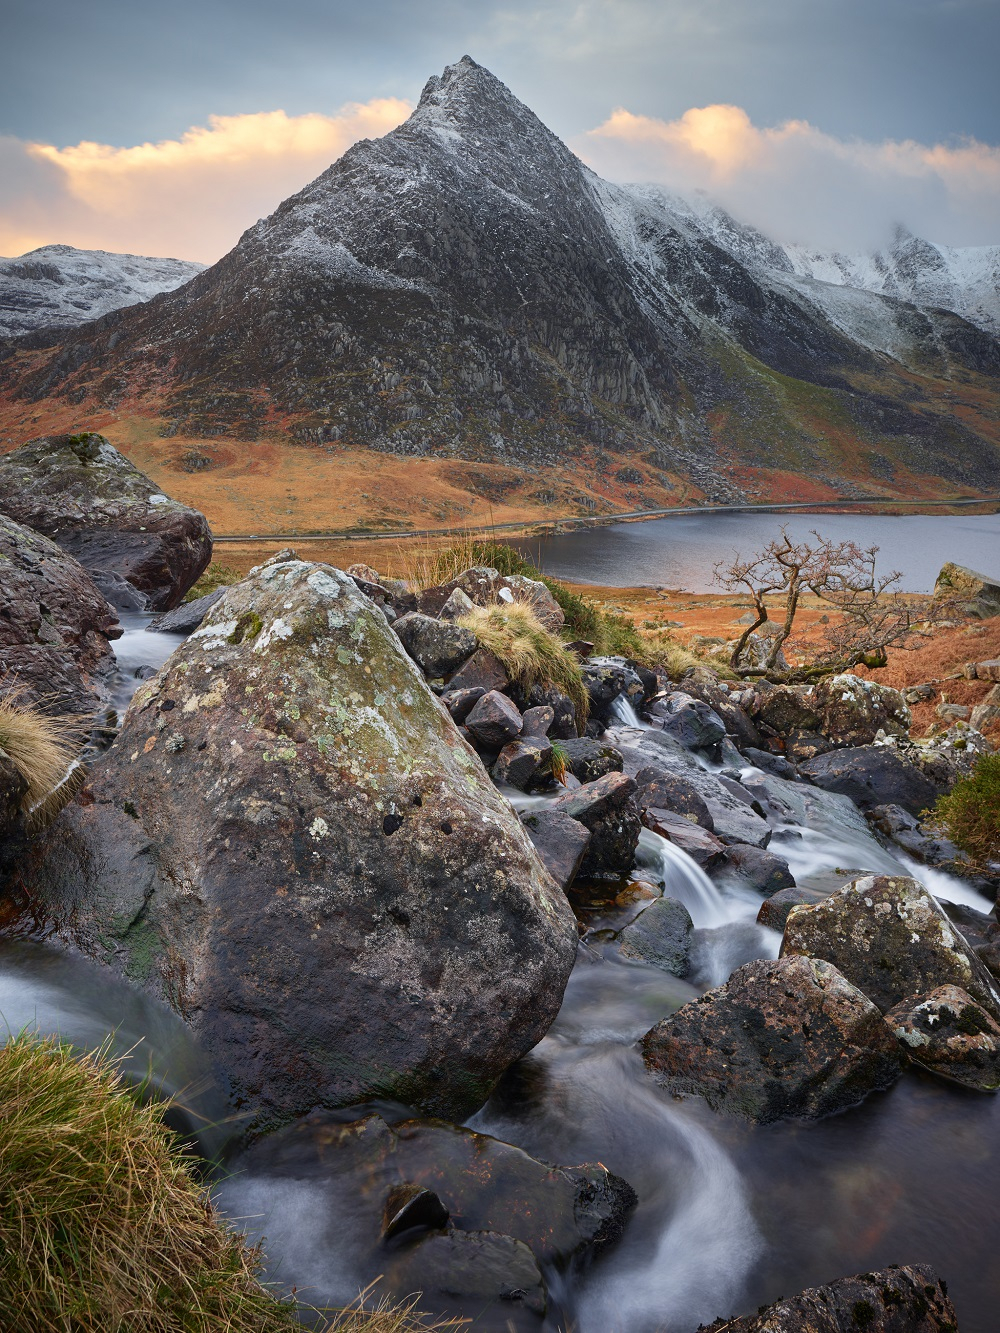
[(797, 183), (189, 198)]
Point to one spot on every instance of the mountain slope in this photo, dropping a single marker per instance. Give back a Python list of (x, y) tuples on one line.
[(466, 286), (58, 285)]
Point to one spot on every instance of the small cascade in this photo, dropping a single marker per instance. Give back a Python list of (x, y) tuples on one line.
[(138, 647), (684, 879), (623, 713)]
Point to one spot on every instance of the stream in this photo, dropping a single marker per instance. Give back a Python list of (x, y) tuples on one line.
[(730, 1216)]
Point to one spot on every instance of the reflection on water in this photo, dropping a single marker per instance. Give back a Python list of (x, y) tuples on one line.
[(680, 552)]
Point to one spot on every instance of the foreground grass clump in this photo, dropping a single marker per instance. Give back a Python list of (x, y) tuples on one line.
[(970, 813), (102, 1227), (45, 752), (530, 653)]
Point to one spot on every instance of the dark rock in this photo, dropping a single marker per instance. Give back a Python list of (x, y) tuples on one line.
[(670, 791), (459, 604), (782, 709), (774, 910), (118, 592), (473, 1273), (589, 760), (947, 1032), (605, 678), (889, 936), (80, 491), (783, 1037), (412, 1207), (873, 775), (537, 721), (494, 720), (743, 794), (904, 829), (332, 894), (482, 671), (560, 841), (186, 618), (437, 647), (772, 763), (738, 723), (460, 703), (55, 627), (891, 1300), (703, 847), (382, 596), (606, 807), (563, 725), (802, 745), (760, 870), (661, 935), (13, 788), (692, 723), (976, 594), (581, 648), (523, 761)]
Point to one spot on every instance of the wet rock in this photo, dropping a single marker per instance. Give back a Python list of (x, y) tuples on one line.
[(460, 703), (437, 647), (480, 1274), (977, 594), (606, 807), (852, 711), (118, 591), (738, 723), (560, 841), (889, 936), (563, 725), (774, 910), (772, 763), (873, 775), (605, 678), (186, 618), (537, 721), (674, 793), (520, 763), (760, 870), (947, 1032), (783, 709), (661, 935), (321, 880), (689, 721), (703, 847), (589, 760), (494, 720), (905, 830), (85, 495), (783, 1037), (482, 671), (55, 627), (12, 791), (891, 1300)]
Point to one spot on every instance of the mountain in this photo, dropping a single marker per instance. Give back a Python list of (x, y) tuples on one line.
[(466, 287), (60, 286)]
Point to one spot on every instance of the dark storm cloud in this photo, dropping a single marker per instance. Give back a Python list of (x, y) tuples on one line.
[(120, 72)]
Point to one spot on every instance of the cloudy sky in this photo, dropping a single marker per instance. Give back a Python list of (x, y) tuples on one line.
[(168, 129)]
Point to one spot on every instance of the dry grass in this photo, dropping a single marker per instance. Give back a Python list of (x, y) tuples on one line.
[(428, 564), (45, 751), (530, 653), (387, 1317)]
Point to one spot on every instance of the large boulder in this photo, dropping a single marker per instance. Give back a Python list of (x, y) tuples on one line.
[(783, 1037), (889, 937), (873, 775), (55, 627), (853, 710), (80, 491), (892, 1300), (949, 1034), (607, 808), (976, 594), (291, 843)]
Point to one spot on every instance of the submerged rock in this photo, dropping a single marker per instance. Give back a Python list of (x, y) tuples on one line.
[(291, 843), (783, 1037), (80, 491), (948, 1033), (55, 627), (661, 935), (892, 1300), (888, 936)]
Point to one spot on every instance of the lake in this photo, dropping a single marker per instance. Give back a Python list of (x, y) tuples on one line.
[(680, 552)]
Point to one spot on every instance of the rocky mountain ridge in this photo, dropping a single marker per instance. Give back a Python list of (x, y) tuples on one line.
[(466, 286)]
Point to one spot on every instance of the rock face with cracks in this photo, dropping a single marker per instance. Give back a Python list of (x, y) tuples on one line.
[(291, 843), (783, 1037)]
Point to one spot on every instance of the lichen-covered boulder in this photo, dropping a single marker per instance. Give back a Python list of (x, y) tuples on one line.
[(889, 937), (948, 1033), (435, 645), (783, 1037), (80, 491), (292, 844), (55, 627), (893, 1300), (975, 594), (852, 710)]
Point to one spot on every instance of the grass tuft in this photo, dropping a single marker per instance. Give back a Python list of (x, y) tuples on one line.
[(215, 576), (45, 751), (530, 653)]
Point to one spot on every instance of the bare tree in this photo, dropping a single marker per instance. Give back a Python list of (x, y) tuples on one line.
[(872, 614)]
